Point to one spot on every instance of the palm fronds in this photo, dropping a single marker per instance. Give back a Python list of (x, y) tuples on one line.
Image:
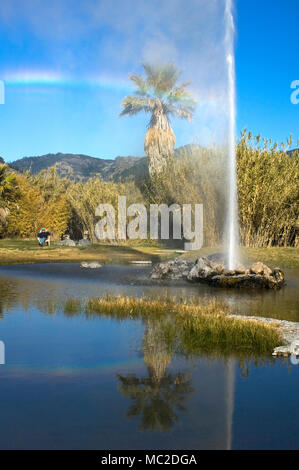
[(159, 90)]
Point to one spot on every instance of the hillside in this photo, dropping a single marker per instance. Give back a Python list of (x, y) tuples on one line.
[(293, 151), (81, 167)]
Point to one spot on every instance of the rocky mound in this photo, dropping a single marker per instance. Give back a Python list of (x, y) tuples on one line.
[(207, 271)]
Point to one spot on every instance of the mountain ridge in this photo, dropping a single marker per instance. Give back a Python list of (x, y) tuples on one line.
[(80, 167)]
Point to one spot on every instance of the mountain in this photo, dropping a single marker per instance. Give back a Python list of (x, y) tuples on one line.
[(81, 167), (290, 152)]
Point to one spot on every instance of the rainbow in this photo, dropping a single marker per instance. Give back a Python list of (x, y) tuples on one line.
[(49, 79)]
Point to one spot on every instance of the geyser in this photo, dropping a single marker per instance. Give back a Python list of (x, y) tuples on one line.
[(232, 211)]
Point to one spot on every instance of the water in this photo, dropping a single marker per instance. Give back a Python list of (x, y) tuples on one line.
[(232, 214), (73, 381)]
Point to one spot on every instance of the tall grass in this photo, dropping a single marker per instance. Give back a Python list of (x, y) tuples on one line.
[(268, 193), (200, 328)]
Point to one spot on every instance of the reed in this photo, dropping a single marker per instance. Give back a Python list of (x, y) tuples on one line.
[(199, 327)]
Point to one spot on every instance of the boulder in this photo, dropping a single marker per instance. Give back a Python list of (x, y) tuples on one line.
[(205, 270), (173, 269), (261, 269), (241, 280), (84, 242), (90, 265), (67, 243)]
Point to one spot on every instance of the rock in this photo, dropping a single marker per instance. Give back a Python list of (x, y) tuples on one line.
[(240, 280), (173, 269), (90, 265), (84, 242), (260, 268), (278, 276), (204, 269), (68, 243)]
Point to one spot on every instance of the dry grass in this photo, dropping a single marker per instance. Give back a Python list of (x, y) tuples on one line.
[(28, 251), (200, 328)]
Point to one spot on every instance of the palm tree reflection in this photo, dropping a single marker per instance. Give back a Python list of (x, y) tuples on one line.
[(157, 396)]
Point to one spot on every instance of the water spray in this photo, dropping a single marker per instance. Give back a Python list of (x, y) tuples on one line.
[(232, 212)]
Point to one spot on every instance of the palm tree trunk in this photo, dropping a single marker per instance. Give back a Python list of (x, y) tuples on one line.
[(159, 141)]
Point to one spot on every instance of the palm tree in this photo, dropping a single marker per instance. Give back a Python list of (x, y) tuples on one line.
[(157, 396), (156, 403), (160, 95)]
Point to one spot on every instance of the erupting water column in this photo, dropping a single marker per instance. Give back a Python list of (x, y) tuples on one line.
[(232, 213)]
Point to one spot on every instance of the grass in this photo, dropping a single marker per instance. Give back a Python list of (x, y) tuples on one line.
[(27, 251), (199, 328)]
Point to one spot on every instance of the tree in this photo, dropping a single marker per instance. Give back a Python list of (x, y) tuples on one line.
[(8, 187), (159, 95), (157, 396), (9, 192)]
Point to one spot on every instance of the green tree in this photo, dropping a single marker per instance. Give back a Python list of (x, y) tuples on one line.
[(159, 95)]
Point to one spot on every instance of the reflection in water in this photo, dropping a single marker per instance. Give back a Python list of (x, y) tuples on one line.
[(230, 391), (60, 377), (156, 396)]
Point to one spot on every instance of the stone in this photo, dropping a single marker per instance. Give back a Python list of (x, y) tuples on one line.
[(240, 280), (90, 265), (173, 269), (84, 242), (260, 268), (68, 243), (205, 270), (278, 275)]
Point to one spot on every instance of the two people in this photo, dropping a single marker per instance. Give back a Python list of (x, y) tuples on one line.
[(43, 237)]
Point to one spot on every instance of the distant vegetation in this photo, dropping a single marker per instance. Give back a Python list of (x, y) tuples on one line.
[(268, 185)]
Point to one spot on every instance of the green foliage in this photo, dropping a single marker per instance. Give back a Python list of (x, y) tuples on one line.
[(23, 219), (8, 186), (159, 88), (159, 95), (40, 202), (268, 193)]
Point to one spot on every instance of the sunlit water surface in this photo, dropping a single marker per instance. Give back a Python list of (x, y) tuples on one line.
[(72, 381)]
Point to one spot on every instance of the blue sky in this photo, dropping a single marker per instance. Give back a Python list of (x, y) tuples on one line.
[(65, 66)]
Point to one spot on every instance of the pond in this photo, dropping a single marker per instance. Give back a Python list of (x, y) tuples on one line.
[(73, 381)]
